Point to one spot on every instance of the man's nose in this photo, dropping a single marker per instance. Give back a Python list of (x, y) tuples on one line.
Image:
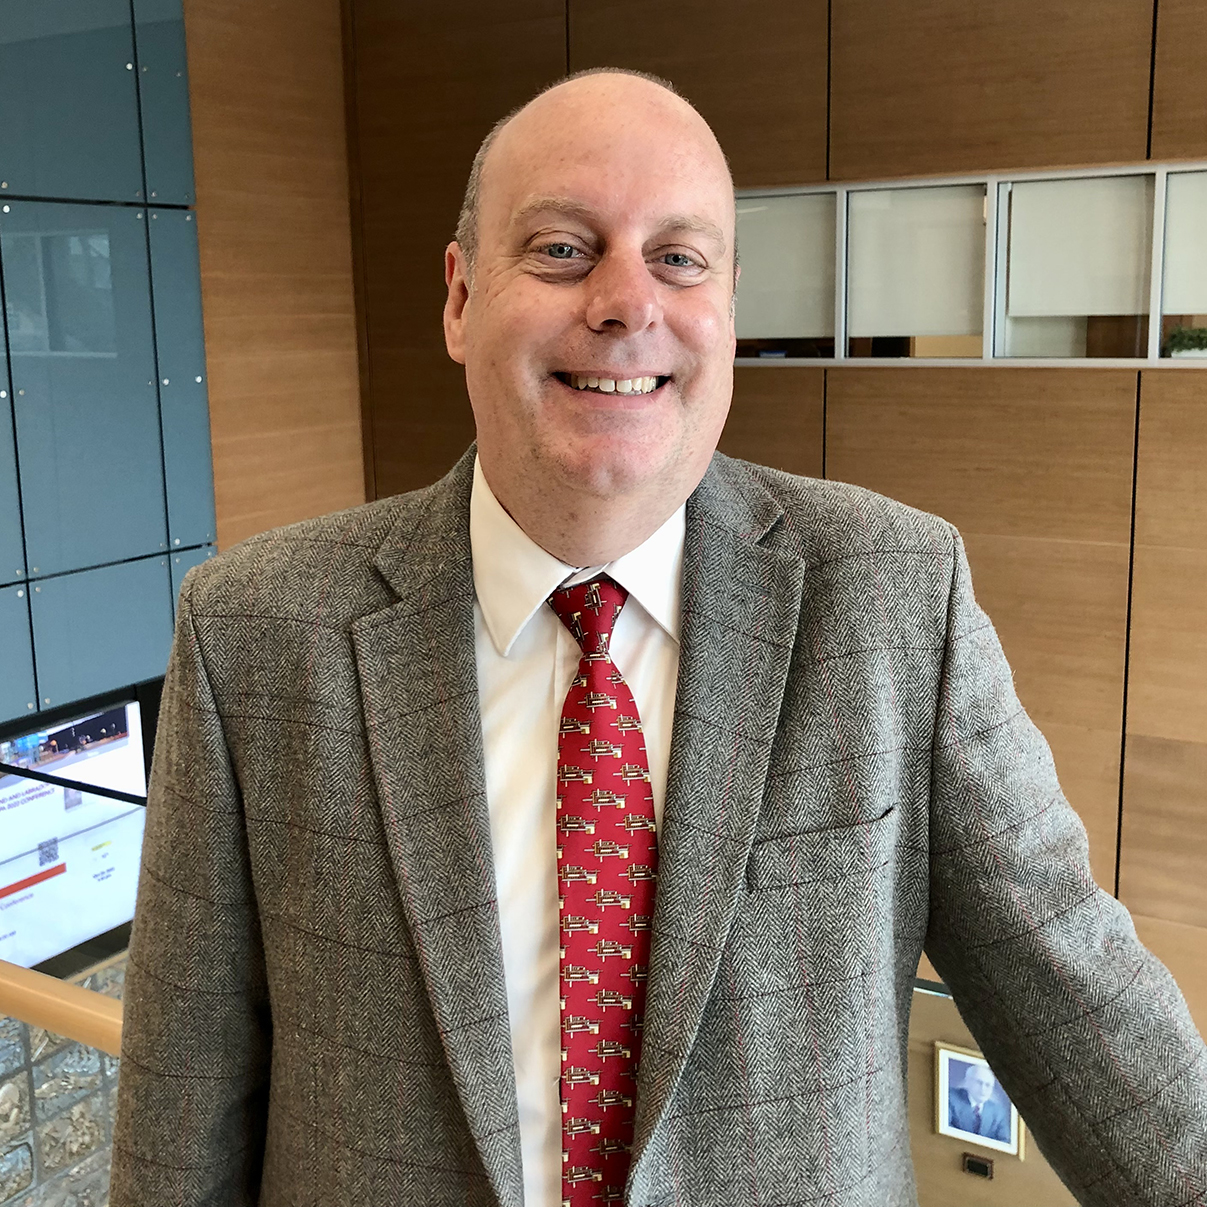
[(622, 293)]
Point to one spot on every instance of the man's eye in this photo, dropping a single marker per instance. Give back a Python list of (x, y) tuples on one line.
[(560, 251), (679, 259)]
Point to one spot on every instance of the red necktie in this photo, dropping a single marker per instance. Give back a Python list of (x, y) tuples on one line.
[(607, 862)]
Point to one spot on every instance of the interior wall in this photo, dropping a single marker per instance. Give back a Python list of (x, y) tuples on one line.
[(926, 87), (1179, 126), (267, 88), (757, 71), (1034, 466), (1164, 841)]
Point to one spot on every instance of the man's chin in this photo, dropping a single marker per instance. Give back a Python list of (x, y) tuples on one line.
[(610, 467)]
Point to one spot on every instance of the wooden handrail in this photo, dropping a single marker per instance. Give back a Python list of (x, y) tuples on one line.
[(69, 1010)]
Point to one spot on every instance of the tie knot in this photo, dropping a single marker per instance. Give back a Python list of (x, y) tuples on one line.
[(589, 611)]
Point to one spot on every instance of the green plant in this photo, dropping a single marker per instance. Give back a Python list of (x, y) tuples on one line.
[(1184, 339)]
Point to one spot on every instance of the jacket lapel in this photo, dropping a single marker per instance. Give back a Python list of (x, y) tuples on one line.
[(741, 603), (417, 672)]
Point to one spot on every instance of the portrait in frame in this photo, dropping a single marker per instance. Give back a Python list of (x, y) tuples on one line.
[(970, 1103)]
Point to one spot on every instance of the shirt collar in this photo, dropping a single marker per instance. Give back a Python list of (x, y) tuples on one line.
[(513, 575)]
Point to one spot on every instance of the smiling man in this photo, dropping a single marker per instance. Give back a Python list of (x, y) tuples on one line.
[(598, 334), (568, 832)]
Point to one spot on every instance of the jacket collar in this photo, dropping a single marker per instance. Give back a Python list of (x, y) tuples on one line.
[(514, 576)]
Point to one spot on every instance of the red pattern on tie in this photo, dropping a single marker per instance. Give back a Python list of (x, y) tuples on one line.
[(607, 863)]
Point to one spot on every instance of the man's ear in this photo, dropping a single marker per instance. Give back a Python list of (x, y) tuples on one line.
[(455, 303)]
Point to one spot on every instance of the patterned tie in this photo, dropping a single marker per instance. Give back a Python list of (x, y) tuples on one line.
[(607, 863)]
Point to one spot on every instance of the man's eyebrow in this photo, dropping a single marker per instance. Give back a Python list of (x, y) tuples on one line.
[(576, 209)]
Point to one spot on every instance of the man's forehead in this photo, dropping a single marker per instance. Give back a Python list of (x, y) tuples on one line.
[(531, 210)]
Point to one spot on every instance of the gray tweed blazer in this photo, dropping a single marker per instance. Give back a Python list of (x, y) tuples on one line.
[(315, 1012)]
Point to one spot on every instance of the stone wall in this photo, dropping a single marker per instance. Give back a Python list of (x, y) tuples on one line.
[(57, 1099)]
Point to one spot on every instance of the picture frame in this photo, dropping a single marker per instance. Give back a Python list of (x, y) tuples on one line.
[(963, 1082)]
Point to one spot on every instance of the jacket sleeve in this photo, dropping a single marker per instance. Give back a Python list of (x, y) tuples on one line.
[(197, 1032), (1085, 1027)]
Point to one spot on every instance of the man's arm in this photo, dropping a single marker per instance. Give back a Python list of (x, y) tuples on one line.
[(197, 1032), (1083, 1025)]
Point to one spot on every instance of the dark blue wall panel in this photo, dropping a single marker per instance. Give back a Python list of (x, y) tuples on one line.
[(69, 100), (101, 629), (182, 563), (180, 348), (106, 475), (83, 374), (163, 81), (12, 555), (17, 694)]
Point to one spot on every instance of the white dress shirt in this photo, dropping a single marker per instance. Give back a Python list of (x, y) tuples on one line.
[(526, 659)]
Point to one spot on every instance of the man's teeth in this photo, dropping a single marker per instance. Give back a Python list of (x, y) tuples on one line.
[(607, 385)]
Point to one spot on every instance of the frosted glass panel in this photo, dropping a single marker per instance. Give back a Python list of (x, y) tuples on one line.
[(1185, 290), (787, 257), (1080, 247), (917, 264)]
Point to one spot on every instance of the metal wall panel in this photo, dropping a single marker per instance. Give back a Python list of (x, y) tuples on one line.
[(83, 374), (18, 695), (182, 563), (163, 81), (12, 548), (101, 629), (180, 347), (68, 100)]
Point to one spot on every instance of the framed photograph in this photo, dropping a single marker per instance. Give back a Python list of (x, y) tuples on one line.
[(971, 1105)]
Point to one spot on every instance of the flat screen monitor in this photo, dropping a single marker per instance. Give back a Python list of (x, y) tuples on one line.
[(69, 857)]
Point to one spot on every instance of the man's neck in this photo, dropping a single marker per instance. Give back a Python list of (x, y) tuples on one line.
[(583, 530)]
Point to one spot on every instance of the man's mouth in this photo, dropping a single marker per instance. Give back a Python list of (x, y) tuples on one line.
[(645, 384)]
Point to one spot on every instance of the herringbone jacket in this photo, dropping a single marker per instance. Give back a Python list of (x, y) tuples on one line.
[(315, 1013)]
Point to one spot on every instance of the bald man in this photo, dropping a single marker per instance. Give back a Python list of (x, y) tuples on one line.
[(568, 832)]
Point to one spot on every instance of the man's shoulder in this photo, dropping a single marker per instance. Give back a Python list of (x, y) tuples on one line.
[(322, 564), (824, 520)]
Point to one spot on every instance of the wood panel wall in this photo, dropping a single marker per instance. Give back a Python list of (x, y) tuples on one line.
[(1180, 80), (778, 418), (1034, 467), (757, 71), (267, 90), (430, 81), (943, 86), (941, 1179), (1164, 846)]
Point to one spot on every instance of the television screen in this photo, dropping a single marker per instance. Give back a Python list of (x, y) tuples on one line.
[(69, 858)]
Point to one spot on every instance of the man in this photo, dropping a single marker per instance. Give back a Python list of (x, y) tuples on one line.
[(972, 1108), (381, 956)]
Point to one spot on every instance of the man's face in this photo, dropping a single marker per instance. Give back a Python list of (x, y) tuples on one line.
[(978, 1081), (605, 252)]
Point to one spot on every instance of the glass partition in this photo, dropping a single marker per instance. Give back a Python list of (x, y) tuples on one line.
[(916, 275), (785, 303), (1078, 267), (1184, 289), (1043, 266)]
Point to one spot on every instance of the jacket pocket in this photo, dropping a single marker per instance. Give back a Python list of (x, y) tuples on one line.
[(841, 853)]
